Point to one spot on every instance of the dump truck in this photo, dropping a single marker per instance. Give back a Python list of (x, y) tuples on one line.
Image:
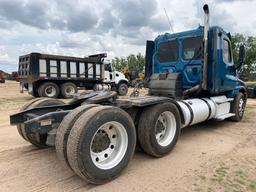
[(191, 79), (53, 76)]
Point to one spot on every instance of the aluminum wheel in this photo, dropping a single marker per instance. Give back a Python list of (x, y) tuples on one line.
[(165, 128), (241, 107), (50, 91), (109, 145)]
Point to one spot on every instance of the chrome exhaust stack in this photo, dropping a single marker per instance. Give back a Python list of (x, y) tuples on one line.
[(206, 30)]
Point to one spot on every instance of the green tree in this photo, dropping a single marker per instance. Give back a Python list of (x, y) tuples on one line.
[(134, 62), (250, 45)]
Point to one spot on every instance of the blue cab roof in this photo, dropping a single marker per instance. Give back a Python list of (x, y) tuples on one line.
[(191, 33)]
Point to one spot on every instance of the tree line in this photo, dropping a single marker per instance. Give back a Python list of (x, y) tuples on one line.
[(132, 61), (247, 72)]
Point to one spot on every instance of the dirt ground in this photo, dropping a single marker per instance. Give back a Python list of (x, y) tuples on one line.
[(212, 156)]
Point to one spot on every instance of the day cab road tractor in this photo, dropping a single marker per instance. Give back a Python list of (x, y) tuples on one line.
[(192, 78), (53, 76)]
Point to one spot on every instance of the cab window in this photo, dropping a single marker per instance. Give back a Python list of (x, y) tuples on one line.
[(191, 48), (108, 67), (226, 51), (168, 51)]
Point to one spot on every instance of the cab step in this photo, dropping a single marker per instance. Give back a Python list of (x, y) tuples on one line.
[(225, 116)]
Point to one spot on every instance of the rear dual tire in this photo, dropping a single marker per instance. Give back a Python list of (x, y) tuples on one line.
[(97, 142), (100, 143), (159, 129), (68, 90), (52, 90), (64, 129)]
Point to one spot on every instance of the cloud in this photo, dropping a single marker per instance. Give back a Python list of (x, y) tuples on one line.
[(44, 15), (29, 13), (230, 1), (107, 22), (119, 27), (135, 13)]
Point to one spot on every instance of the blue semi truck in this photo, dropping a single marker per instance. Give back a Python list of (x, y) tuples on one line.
[(191, 78)]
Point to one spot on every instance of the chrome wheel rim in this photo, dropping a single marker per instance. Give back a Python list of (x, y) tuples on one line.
[(109, 145), (241, 107), (165, 128), (50, 91)]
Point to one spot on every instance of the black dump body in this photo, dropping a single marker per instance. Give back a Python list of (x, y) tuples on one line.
[(37, 68)]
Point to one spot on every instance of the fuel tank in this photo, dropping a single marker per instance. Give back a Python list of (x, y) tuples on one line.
[(202, 109)]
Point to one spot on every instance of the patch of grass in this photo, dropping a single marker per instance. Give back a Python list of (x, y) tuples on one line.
[(252, 186), (240, 174), (231, 180), (220, 173)]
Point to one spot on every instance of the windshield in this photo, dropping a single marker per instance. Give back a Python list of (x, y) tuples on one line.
[(168, 51), (191, 48)]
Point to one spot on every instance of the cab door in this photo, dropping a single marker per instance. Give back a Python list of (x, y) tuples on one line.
[(107, 73), (226, 69)]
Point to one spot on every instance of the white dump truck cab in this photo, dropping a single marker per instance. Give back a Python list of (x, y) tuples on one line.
[(116, 78)]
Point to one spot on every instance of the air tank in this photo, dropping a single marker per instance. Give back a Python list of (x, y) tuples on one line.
[(102, 87)]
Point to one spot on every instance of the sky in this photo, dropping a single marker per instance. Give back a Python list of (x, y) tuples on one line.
[(118, 27)]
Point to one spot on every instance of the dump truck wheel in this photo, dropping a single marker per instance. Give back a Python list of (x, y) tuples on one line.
[(32, 138), (68, 90), (63, 131), (49, 89), (159, 129), (101, 144), (238, 107), (24, 107), (122, 89)]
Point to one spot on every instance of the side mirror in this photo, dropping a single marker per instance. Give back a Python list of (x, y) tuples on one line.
[(241, 56)]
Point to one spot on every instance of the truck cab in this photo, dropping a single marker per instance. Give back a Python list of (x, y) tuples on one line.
[(115, 77), (111, 75), (182, 54)]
